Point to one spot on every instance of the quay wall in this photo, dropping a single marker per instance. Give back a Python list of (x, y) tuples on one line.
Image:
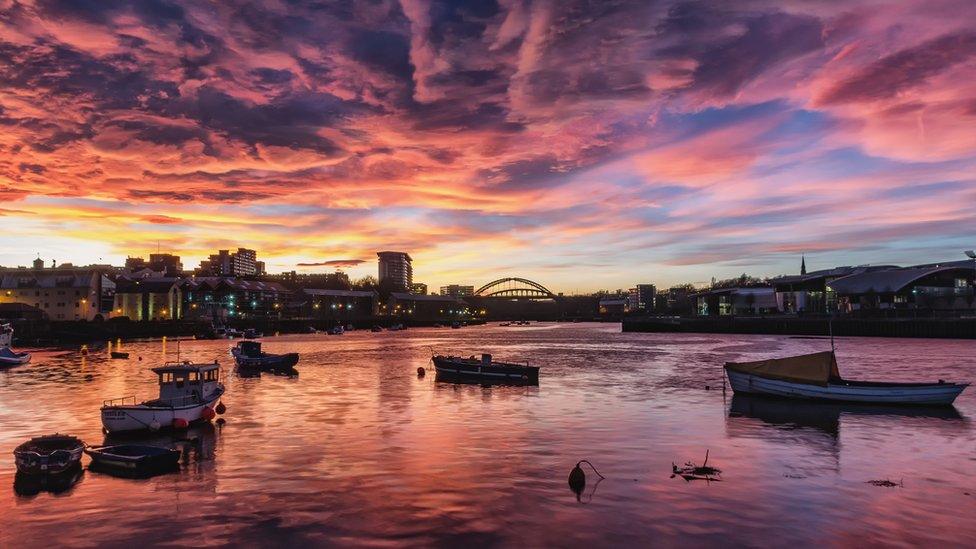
[(955, 328)]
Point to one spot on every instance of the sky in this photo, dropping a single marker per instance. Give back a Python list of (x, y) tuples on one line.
[(583, 145)]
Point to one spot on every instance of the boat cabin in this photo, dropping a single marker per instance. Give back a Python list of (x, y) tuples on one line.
[(182, 379), (249, 349), (6, 335)]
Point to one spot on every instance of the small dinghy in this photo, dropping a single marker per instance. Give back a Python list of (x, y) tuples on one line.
[(133, 458), (248, 354), (48, 455), (816, 377), (119, 354), (453, 368)]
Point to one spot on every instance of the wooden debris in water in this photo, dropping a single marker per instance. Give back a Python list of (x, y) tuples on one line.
[(692, 471), (886, 483)]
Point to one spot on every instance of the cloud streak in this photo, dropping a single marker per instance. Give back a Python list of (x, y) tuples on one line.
[(679, 138)]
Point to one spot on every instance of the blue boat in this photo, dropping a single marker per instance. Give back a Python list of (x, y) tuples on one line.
[(248, 354), (133, 458)]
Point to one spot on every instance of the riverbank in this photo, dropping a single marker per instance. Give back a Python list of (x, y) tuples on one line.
[(946, 328), (53, 333)]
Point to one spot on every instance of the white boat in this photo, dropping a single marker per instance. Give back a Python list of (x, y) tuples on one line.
[(6, 335), (816, 377), (188, 393), (9, 357)]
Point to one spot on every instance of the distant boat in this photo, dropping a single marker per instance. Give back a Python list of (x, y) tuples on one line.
[(376, 329), (248, 354), (472, 369), (119, 354), (187, 394), (48, 455), (337, 331), (133, 458), (816, 377), (455, 325), (251, 333)]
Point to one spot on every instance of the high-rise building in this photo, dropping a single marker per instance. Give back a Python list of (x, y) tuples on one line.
[(641, 297), (169, 264), (456, 290), (243, 262), (395, 268)]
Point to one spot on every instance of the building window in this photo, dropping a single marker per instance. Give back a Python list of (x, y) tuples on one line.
[(961, 283)]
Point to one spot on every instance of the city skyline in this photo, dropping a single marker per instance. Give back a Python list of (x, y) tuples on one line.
[(666, 144)]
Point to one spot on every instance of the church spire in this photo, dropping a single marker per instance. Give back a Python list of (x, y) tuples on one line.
[(803, 265)]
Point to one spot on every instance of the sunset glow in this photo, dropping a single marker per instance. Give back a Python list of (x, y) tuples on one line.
[(584, 146)]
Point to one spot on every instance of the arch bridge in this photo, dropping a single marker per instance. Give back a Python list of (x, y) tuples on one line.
[(515, 288)]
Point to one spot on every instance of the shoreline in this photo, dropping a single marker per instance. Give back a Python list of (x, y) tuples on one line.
[(935, 328)]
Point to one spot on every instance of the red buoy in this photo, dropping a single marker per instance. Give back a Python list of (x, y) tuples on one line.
[(180, 423), (207, 414)]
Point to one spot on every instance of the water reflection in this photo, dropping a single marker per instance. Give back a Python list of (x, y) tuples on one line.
[(360, 451), (60, 484), (447, 377), (785, 414)]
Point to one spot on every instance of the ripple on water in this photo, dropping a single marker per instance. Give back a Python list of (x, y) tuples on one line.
[(357, 450)]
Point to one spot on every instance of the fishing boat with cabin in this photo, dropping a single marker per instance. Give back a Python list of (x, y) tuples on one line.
[(188, 393), (816, 377), (484, 370), (248, 354)]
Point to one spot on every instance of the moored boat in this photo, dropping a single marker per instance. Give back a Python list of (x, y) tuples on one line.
[(49, 454), (248, 354), (251, 333), (817, 377), (473, 369), (9, 357), (188, 393), (133, 458)]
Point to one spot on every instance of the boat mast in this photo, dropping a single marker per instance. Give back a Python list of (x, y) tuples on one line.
[(830, 328)]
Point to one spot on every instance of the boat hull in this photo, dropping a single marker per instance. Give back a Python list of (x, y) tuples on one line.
[(9, 357), (268, 362), (134, 458), (466, 370), (50, 455), (932, 394), (140, 417)]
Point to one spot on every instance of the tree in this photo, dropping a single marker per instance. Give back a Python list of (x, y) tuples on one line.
[(367, 282)]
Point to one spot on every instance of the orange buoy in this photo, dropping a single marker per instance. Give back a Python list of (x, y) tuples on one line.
[(207, 413), (181, 423)]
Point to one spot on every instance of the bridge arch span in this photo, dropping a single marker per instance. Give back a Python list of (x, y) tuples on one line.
[(515, 287)]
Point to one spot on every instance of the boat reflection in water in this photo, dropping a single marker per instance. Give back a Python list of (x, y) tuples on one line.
[(249, 372), (196, 444), (464, 379), (787, 414), (816, 425), (59, 484)]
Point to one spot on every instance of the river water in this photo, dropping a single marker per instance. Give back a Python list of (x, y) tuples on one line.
[(359, 450)]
